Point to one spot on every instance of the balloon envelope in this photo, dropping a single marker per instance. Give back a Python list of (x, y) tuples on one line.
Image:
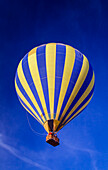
[(54, 83)]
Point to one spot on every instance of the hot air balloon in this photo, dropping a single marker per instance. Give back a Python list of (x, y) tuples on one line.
[(54, 83)]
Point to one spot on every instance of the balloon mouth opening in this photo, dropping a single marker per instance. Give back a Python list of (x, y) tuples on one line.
[(51, 125)]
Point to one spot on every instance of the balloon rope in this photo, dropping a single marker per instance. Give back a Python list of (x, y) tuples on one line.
[(33, 129)]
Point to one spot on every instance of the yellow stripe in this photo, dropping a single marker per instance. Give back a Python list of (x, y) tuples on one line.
[(80, 80), (36, 78), (79, 110), (30, 113), (85, 94), (26, 102), (27, 89), (76, 113), (50, 65), (69, 64)]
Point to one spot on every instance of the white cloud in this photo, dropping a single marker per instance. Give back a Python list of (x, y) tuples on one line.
[(19, 155), (68, 149), (92, 153)]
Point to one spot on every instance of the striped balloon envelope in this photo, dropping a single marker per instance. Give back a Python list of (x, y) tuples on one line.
[(54, 83)]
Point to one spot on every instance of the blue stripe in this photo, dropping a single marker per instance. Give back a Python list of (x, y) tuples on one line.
[(81, 91), (78, 108), (73, 79), (26, 106), (84, 101), (28, 77), (41, 62), (25, 95), (60, 60)]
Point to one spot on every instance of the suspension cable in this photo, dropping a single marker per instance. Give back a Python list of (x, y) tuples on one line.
[(34, 131)]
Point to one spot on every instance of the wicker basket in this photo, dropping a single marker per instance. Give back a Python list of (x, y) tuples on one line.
[(52, 139)]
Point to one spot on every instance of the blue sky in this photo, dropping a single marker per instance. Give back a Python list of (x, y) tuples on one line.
[(84, 141)]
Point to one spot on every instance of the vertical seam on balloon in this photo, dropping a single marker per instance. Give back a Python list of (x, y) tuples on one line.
[(28, 109), (79, 111), (68, 67), (69, 111), (20, 87), (27, 88), (50, 65), (58, 55), (74, 76), (78, 85), (80, 105), (80, 92), (30, 82), (36, 79), (25, 101), (76, 114), (85, 94), (46, 96)]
